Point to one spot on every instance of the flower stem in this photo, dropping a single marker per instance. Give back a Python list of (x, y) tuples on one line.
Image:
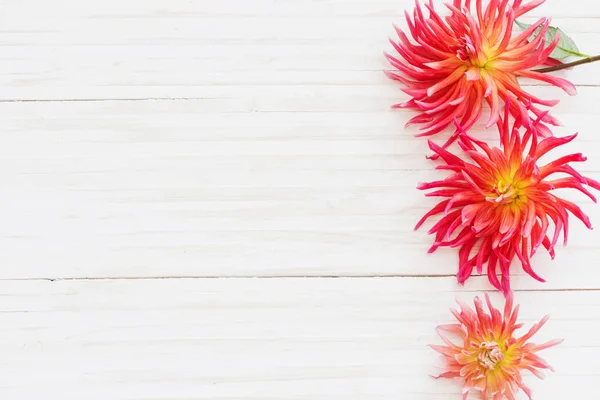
[(585, 60)]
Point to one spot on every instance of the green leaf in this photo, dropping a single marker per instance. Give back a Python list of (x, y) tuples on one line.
[(566, 46)]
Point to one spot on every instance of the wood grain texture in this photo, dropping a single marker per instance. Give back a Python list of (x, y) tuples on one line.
[(158, 49), (220, 145), (260, 338), (250, 182)]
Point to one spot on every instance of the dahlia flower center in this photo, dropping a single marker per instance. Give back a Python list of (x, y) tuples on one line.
[(490, 355), (468, 53), (505, 191)]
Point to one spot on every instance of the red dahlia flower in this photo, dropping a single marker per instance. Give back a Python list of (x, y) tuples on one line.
[(488, 357), (503, 201), (458, 61)]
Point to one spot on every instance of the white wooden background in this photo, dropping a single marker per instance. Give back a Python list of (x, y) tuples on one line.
[(211, 199)]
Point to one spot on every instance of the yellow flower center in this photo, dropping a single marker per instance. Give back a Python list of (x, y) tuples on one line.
[(477, 57), (480, 60), (506, 191), (490, 355)]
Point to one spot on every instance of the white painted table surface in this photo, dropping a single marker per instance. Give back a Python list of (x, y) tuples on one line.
[(211, 199)]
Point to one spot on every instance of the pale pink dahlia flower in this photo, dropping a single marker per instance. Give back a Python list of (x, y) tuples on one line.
[(500, 205), (488, 357), (456, 62)]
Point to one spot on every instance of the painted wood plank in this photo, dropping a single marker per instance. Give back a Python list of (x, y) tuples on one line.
[(260, 338), (177, 49), (157, 9), (197, 188)]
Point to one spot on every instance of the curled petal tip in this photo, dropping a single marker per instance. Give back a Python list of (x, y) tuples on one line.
[(570, 138)]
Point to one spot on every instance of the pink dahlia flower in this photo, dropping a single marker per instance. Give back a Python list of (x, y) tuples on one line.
[(488, 358), (456, 62), (500, 205)]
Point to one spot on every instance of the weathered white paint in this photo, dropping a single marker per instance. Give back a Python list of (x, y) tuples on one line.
[(292, 338), (249, 139)]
